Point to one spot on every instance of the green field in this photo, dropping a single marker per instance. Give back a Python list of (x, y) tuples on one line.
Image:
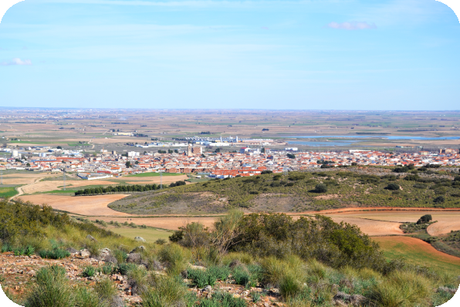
[(8, 192), (149, 234), (154, 174), (395, 249)]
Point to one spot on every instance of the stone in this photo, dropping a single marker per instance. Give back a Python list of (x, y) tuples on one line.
[(85, 253), (134, 258), (140, 239), (71, 250), (138, 249), (357, 300), (446, 289), (91, 238), (342, 296), (207, 289)]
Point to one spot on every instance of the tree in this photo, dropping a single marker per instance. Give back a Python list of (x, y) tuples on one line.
[(392, 187), (291, 156), (128, 164), (320, 188), (439, 200), (59, 147), (424, 219), (262, 150)]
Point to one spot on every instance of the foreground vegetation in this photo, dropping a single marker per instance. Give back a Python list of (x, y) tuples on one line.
[(309, 262), (301, 191)]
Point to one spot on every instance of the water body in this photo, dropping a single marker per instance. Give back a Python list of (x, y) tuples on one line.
[(322, 144), (374, 136), (351, 139)]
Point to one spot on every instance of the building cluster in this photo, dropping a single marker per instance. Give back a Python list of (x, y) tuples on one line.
[(246, 162)]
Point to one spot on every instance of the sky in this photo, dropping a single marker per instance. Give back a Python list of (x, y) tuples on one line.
[(218, 54)]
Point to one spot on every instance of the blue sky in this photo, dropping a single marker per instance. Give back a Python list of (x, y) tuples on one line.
[(268, 54)]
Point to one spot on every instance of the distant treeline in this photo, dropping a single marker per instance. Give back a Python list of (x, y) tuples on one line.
[(125, 188)]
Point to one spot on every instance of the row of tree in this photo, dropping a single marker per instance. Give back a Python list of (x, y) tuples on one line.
[(125, 188)]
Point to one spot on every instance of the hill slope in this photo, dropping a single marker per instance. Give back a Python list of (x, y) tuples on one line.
[(302, 191)]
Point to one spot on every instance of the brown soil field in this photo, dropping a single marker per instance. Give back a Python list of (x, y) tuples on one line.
[(417, 246), (44, 186), (26, 178), (84, 205), (371, 228), (446, 221)]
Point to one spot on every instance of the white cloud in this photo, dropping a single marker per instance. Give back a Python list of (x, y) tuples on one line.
[(17, 61), (354, 25)]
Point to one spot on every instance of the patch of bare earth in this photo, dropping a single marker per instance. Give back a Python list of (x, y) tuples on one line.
[(326, 197), (84, 205)]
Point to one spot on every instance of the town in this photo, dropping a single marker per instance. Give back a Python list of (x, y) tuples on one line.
[(246, 161)]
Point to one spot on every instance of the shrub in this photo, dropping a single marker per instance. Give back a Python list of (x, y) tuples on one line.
[(124, 268), (223, 300), (201, 278), (120, 255), (255, 296), (439, 200), (320, 188), (6, 248), (241, 275), (19, 251), (167, 291), (107, 269), (289, 286), (160, 241), (220, 272), (393, 187), (86, 298), (174, 257), (56, 253), (51, 289), (89, 271), (401, 288), (107, 292), (30, 250)]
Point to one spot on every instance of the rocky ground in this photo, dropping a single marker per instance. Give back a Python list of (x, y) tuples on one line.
[(17, 276)]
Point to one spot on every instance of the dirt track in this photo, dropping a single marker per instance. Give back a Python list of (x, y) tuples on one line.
[(85, 205)]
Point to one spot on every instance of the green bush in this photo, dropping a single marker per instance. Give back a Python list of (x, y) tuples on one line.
[(223, 300), (393, 187), (241, 275), (201, 278), (174, 257), (89, 271), (439, 200), (320, 188), (124, 268), (86, 298), (107, 269), (165, 291), (107, 292), (120, 255), (51, 289), (56, 253)]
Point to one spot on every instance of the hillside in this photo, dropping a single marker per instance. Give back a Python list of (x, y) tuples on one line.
[(304, 191)]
